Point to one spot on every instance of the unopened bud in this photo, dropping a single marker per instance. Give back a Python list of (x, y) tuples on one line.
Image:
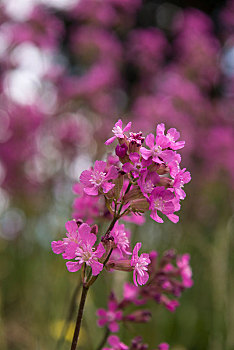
[(140, 205), (121, 265), (121, 150), (139, 316), (94, 229), (134, 193), (165, 181)]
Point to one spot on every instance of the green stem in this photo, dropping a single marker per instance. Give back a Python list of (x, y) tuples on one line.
[(104, 339), (69, 315)]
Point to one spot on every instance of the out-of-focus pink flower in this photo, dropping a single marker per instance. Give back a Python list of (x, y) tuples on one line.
[(185, 270), (98, 179), (140, 263), (163, 346), (111, 316), (116, 344)]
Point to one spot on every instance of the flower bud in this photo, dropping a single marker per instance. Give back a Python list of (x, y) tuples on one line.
[(139, 316), (121, 265), (139, 205), (121, 150)]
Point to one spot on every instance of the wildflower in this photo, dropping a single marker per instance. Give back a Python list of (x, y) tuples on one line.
[(172, 135), (68, 245), (118, 131), (148, 181), (185, 270), (161, 199), (140, 263), (181, 178), (97, 179), (163, 346), (157, 150), (111, 316), (116, 344), (121, 238), (85, 253)]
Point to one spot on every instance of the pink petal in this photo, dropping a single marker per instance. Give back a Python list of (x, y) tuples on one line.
[(127, 167), (83, 230), (73, 266), (119, 123), (100, 250), (58, 247), (146, 153), (112, 173), (91, 191), (85, 177), (150, 140), (96, 267), (143, 279), (110, 140), (100, 165), (174, 218), (106, 186), (114, 327), (160, 129), (101, 313), (127, 127), (156, 217), (71, 226)]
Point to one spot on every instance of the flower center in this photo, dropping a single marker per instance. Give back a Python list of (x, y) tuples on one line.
[(117, 130), (156, 150), (149, 186), (97, 178), (158, 203)]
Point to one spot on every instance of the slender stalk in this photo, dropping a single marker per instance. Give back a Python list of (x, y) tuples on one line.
[(70, 313), (79, 317), (104, 339)]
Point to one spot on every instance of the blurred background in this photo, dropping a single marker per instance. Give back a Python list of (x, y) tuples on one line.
[(68, 70)]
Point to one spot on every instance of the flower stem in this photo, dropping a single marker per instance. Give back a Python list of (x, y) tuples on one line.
[(79, 317), (104, 339), (69, 314)]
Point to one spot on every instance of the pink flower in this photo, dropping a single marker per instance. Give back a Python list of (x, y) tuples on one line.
[(147, 182), (181, 178), (121, 238), (161, 199), (157, 150), (135, 166), (118, 131), (172, 135), (185, 270), (140, 263), (85, 253), (97, 179), (116, 344), (163, 346), (68, 245), (111, 316)]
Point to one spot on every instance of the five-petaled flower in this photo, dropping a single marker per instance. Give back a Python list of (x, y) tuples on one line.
[(118, 131), (139, 264), (111, 316), (98, 179)]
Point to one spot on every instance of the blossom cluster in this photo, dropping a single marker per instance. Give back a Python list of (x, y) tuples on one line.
[(138, 179)]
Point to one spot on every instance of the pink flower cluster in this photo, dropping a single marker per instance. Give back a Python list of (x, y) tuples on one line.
[(137, 344), (134, 181)]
